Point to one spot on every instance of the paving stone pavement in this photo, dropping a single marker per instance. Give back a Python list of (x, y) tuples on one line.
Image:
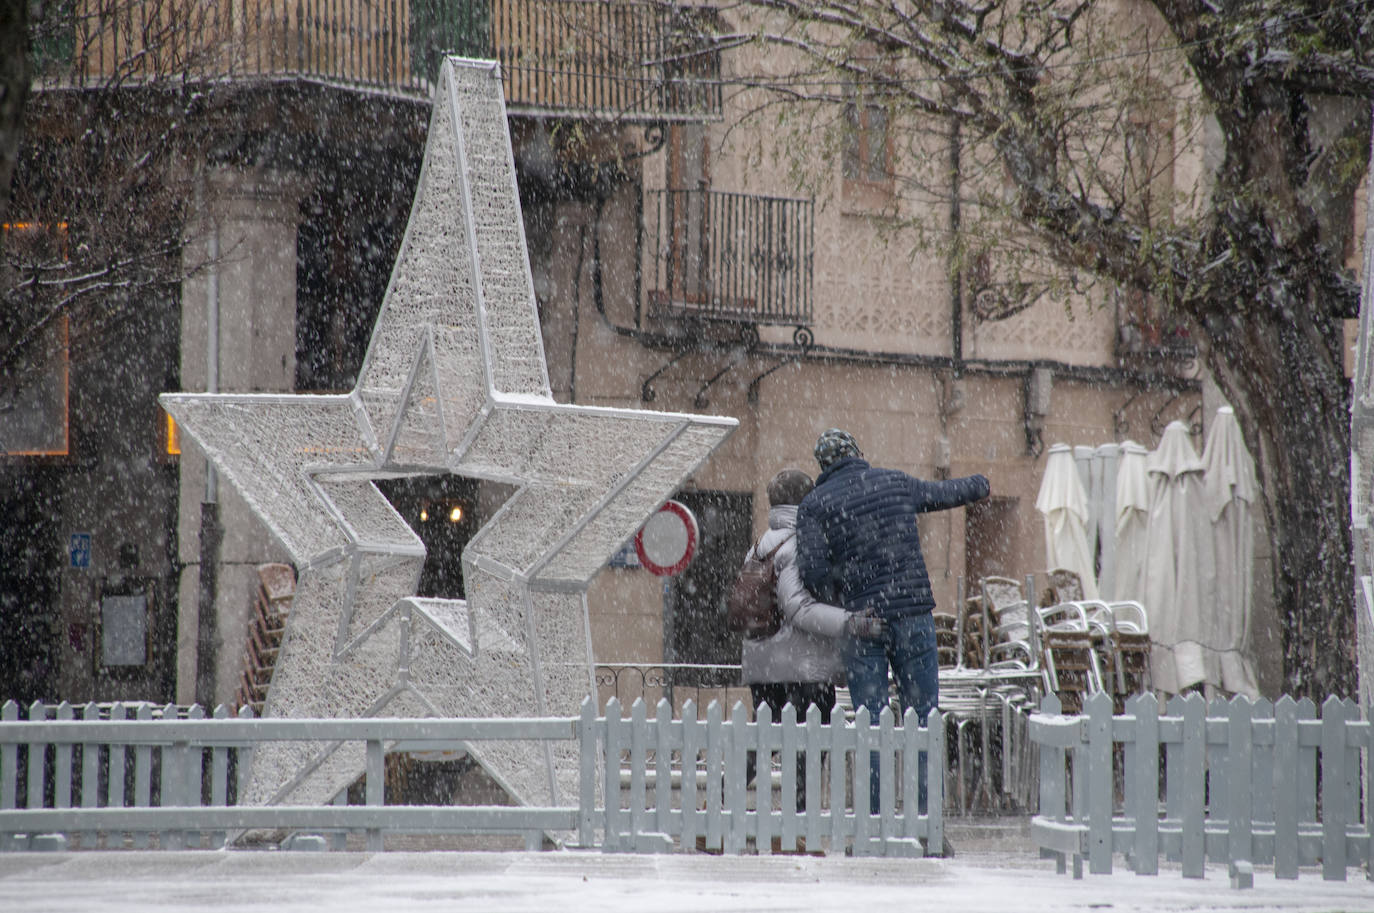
[(994, 870)]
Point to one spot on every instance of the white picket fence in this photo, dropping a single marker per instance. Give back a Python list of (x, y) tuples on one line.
[(117, 775), (1242, 784), (711, 807)]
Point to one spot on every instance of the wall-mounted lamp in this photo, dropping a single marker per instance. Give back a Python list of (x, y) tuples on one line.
[(1039, 385), (942, 457)]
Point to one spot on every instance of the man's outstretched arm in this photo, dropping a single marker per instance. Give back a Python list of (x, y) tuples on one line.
[(950, 492)]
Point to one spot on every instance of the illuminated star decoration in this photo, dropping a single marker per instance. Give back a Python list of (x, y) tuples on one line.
[(454, 382)]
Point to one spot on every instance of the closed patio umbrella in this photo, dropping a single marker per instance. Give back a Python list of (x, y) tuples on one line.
[(1229, 485), (1065, 506), (1180, 591), (1132, 523)]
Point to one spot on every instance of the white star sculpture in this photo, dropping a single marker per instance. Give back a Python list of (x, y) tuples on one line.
[(454, 381)]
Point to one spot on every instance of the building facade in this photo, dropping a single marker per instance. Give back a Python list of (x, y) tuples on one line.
[(672, 267)]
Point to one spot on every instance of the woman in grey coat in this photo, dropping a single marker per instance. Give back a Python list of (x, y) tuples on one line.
[(800, 664)]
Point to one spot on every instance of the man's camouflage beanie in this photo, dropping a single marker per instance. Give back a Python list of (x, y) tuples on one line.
[(834, 444)]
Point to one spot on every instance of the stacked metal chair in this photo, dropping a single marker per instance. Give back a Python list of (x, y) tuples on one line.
[(988, 690), (1121, 635), (1069, 655)]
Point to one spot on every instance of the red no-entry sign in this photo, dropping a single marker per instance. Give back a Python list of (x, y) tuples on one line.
[(667, 541)]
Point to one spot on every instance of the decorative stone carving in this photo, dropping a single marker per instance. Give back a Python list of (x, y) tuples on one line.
[(454, 382)]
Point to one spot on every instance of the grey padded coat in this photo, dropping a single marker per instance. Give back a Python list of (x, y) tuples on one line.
[(807, 648)]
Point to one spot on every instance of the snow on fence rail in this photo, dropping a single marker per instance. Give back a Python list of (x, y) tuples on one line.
[(108, 772), (1242, 783)]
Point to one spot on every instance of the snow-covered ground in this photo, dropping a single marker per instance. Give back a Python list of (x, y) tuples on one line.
[(589, 882)]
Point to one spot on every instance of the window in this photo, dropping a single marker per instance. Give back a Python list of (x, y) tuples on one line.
[(866, 156), (1147, 153), (867, 153), (1145, 324)]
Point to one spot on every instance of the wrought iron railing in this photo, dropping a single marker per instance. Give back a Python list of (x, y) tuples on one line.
[(612, 58), (730, 256), (677, 682)]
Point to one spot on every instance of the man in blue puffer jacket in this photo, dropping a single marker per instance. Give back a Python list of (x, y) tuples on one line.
[(858, 548)]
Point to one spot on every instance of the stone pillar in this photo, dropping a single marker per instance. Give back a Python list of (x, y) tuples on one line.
[(240, 259)]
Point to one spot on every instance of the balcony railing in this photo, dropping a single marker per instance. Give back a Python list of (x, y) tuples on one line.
[(730, 256), (604, 58)]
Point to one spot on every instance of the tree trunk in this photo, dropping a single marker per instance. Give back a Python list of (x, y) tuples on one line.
[(1283, 373)]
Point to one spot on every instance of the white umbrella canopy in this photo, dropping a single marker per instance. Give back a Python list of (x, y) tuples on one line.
[(1230, 491), (1132, 522), (1065, 506), (1180, 573)]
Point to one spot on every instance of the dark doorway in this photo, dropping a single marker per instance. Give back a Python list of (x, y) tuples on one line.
[(694, 604), (29, 551), (443, 512)]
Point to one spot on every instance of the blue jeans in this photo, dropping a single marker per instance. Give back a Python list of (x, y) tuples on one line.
[(909, 647)]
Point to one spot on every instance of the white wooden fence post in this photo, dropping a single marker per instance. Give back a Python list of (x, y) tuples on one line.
[(1144, 777), (243, 760), (935, 782), (663, 765), (914, 744), (1353, 781), (1239, 741), (90, 774), (1053, 798), (1189, 778), (114, 795), (1307, 767), (787, 805), (691, 747), (9, 760), (588, 745), (375, 789), (1218, 772), (863, 771), (716, 739), (192, 772), (9, 774), (1262, 762), (143, 775), (815, 754), (1285, 789), (614, 838), (737, 747), (1173, 768), (62, 763), (841, 739), (638, 716), (764, 728), (887, 786), (172, 785), (1334, 799), (219, 778), (1099, 770)]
